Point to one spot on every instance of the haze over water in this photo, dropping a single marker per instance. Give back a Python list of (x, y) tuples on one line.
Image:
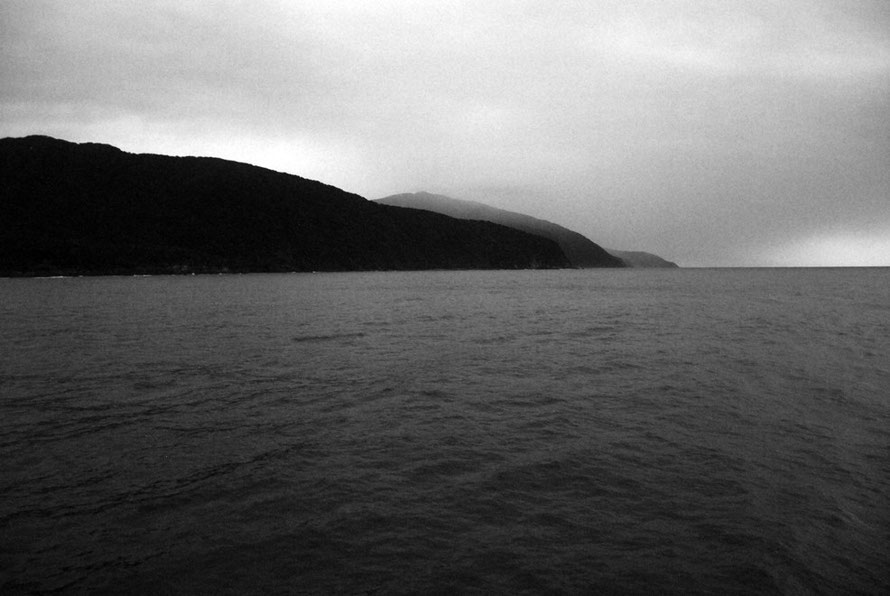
[(632, 431)]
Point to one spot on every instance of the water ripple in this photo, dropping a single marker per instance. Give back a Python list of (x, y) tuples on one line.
[(498, 432)]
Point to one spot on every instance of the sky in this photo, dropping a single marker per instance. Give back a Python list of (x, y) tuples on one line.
[(711, 133)]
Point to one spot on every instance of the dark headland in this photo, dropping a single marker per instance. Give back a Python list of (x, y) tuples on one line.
[(638, 258), (75, 209), (580, 250)]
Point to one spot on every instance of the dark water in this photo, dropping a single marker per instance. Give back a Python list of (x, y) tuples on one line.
[(691, 431)]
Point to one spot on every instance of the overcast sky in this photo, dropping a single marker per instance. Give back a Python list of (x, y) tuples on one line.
[(712, 133)]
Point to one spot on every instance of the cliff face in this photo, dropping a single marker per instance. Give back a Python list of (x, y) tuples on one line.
[(580, 251), (87, 208)]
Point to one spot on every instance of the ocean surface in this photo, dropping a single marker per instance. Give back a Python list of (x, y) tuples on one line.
[(722, 431)]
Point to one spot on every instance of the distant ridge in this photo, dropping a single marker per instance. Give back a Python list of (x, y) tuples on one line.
[(635, 258), (90, 208), (581, 251)]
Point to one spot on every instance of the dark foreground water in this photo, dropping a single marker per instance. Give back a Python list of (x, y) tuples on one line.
[(691, 431)]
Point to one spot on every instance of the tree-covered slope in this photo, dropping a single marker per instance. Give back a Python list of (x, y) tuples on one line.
[(636, 258), (581, 251), (92, 208)]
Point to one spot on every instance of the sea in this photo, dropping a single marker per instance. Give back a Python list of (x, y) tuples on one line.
[(660, 431)]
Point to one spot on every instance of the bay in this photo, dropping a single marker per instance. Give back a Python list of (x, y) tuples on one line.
[(618, 431)]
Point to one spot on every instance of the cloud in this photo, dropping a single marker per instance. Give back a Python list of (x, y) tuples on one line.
[(788, 39)]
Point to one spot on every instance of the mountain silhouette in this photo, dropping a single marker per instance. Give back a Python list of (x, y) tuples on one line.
[(636, 258), (69, 208), (581, 251)]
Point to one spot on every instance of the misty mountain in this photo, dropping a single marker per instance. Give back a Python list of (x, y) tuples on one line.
[(581, 251), (635, 258), (92, 208)]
